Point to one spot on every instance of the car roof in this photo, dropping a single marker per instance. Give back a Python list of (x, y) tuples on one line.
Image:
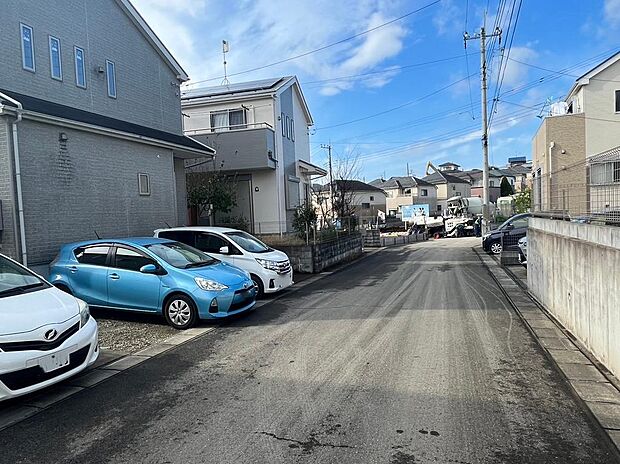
[(135, 241), (221, 230)]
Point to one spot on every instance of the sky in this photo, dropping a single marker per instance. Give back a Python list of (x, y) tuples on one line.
[(406, 92)]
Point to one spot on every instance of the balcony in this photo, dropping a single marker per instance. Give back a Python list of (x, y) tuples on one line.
[(249, 147)]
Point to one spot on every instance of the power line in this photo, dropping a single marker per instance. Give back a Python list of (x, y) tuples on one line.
[(301, 55), (561, 72)]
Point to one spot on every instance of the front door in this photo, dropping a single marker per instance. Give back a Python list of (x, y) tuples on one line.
[(128, 287)]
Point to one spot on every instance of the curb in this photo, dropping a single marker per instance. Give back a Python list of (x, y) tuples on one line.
[(34, 403), (589, 382)]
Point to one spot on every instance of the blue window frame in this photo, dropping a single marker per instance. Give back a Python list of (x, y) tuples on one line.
[(27, 39), (111, 78), (55, 59), (80, 67)]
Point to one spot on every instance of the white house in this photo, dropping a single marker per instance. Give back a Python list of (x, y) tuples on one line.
[(366, 202), (260, 132), (406, 190)]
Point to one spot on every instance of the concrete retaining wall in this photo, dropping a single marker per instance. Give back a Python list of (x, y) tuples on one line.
[(316, 258), (574, 271)]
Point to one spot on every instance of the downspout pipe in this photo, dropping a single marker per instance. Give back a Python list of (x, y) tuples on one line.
[(549, 187), (18, 179)]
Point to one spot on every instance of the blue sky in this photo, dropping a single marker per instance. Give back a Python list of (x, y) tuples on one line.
[(407, 113)]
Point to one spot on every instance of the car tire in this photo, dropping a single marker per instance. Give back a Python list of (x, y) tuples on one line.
[(495, 248), (258, 283), (180, 312)]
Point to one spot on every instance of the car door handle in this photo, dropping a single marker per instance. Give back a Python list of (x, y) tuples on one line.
[(114, 276), (73, 269)]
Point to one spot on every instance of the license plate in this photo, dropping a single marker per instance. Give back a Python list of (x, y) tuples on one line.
[(54, 361)]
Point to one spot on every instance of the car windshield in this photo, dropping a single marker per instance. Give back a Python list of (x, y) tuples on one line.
[(15, 279), (248, 242), (180, 255)]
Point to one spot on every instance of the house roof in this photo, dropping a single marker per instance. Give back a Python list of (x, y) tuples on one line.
[(441, 177), (442, 165), (584, 79), (400, 182), (350, 185), (263, 87), (37, 105), (152, 38)]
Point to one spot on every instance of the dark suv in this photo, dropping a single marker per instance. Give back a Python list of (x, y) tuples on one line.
[(515, 228)]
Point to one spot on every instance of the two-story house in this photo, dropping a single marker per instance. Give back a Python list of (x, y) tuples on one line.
[(91, 139), (448, 186), (364, 201), (260, 132), (581, 127), (406, 190), (474, 177)]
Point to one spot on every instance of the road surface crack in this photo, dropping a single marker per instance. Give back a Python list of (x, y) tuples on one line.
[(306, 446)]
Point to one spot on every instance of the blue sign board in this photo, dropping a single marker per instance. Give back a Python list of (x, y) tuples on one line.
[(410, 211)]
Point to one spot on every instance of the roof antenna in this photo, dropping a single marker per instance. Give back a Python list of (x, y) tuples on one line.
[(225, 49), (169, 226), (98, 238)]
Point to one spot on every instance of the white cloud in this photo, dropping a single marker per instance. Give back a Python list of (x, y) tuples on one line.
[(264, 31), (449, 18), (612, 12)]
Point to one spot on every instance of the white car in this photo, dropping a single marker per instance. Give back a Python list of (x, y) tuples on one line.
[(523, 250), (269, 269), (46, 335)]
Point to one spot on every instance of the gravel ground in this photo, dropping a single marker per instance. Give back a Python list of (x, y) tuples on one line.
[(128, 333)]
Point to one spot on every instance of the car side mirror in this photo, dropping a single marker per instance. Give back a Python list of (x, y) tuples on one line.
[(148, 269), (224, 250)]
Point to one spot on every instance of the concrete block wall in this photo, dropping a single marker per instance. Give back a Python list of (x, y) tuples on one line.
[(316, 258), (574, 271)]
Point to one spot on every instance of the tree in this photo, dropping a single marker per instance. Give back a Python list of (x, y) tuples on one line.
[(304, 219), (523, 201), (211, 192), (505, 188)]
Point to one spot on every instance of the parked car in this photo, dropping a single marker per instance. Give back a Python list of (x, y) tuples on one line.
[(153, 275), (45, 334), (513, 228), (269, 269), (523, 250)]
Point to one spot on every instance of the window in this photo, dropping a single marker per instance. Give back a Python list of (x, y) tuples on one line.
[(424, 193), (131, 260), (27, 47), (365, 205), (491, 183), (210, 243), (248, 242), (228, 120), (15, 279), (616, 171), (111, 78), (458, 194), (372, 198), (605, 173), (94, 256), (438, 207), (55, 59), (144, 184), (283, 124), (292, 130), (182, 236), (288, 127), (292, 192), (617, 101), (407, 191), (520, 223), (80, 67)]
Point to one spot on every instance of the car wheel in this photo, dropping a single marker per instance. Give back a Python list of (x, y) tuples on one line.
[(496, 248), (258, 283), (180, 312)]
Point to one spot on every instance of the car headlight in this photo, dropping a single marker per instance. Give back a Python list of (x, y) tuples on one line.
[(84, 312), (210, 285), (267, 264)]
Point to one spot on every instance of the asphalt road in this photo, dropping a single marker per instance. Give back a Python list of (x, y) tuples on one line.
[(410, 355)]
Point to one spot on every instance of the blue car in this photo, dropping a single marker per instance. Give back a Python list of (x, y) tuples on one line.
[(153, 275)]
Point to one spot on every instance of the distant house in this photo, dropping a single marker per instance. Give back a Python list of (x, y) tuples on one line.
[(585, 124), (260, 132), (521, 170), (449, 166), (407, 190), (365, 201), (474, 177), (91, 139), (448, 186)]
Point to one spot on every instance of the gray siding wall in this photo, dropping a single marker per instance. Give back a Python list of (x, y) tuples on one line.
[(239, 150), (181, 186), (288, 147), (92, 185), (146, 94), (8, 245)]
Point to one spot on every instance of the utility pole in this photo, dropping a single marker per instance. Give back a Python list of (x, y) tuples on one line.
[(482, 35), (331, 179)]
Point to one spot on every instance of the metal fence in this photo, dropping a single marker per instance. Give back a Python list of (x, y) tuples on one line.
[(284, 233), (587, 192)]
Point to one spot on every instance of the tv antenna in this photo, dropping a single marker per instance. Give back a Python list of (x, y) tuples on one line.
[(225, 49)]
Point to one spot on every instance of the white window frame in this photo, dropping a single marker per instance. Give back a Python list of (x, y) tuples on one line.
[(51, 39), (288, 128), (77, 74), (423, 192), (107, 77), (283, 123), (227, 112), (23, 26), (292, 130), (141, 178)]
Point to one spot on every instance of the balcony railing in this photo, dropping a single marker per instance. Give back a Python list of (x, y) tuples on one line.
[(236, 127)]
